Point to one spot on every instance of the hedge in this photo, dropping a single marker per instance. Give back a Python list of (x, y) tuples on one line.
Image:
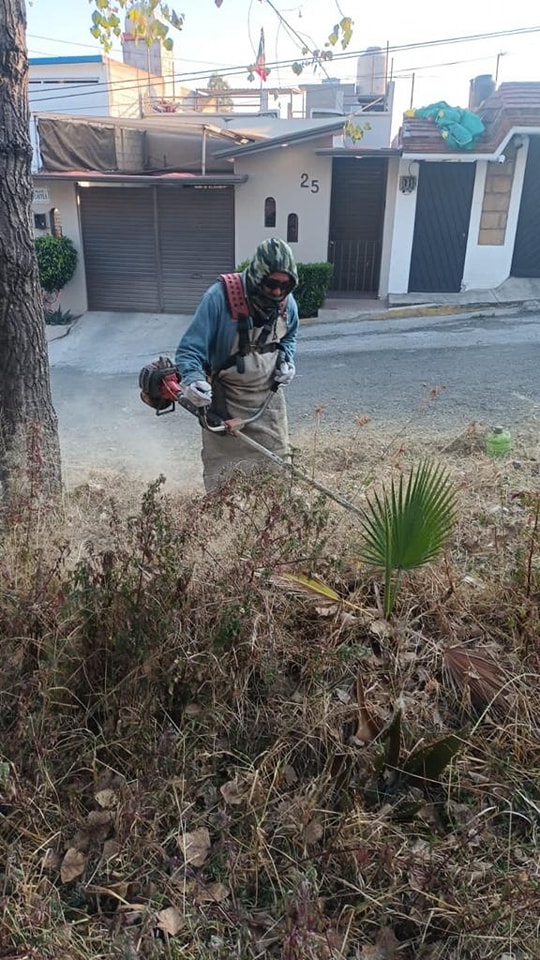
[(57, 262)]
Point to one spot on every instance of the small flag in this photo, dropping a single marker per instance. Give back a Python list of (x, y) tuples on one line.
[(260, 63)]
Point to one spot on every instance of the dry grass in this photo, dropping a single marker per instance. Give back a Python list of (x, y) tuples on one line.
[(196, 762)]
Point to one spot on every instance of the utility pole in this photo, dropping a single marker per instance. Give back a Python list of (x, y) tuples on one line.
[(499, 55)]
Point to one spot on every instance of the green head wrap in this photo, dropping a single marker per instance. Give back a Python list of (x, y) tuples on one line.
[(271, 256)]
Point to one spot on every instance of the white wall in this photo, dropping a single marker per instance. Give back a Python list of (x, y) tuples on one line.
[(376, 127), (130, 88), (487, 267), (401, 235), (63, 196), (388, 225), (64, 88), (278, 173)]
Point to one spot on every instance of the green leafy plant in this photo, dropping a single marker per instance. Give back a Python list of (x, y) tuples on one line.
[(314, 280), (396, 771), (57, 262), (58, 317), (409, 526)]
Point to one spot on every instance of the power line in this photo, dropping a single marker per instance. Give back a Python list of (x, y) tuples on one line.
[(405, 73), (296, 35), (241, 69), (517, 31), (98, 49)]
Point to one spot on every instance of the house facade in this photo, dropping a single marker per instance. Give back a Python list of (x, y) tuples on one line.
[(194, 198), (159, 206), (470, 220)]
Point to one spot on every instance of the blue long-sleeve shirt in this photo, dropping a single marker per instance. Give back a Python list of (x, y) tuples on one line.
[(209, 339)]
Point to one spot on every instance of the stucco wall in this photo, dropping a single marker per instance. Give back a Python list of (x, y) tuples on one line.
[(279, 174), (388, 225), (63, 196), (402, 232), (488, 266), (129, 88)]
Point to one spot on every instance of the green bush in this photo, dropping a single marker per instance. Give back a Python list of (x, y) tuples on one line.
[(57, 262), (314, 279)]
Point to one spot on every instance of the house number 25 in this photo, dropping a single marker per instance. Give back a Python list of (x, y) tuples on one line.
[(308, 184)]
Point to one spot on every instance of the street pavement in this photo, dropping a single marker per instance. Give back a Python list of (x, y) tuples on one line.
[(485, 368)]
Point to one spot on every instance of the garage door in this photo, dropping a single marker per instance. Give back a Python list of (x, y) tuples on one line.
[(155, 249)]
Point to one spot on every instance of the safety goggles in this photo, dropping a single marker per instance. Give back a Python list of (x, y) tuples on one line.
[(273, 285)]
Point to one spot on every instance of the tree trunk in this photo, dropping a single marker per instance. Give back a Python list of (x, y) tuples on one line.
[(29, 447)]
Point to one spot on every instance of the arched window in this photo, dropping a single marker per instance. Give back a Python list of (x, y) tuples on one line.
[(269, 212), (292, 228)]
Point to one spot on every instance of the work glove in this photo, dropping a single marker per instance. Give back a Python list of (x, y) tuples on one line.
[(199, 393), (285, 372)]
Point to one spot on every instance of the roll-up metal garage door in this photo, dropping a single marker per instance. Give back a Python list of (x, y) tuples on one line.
[(196, 242), (155, 249), (119, 249)]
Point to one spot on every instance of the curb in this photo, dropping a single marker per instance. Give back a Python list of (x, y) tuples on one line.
[(433, 310)]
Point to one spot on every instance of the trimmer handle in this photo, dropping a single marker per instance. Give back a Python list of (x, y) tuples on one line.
[(203, 414)]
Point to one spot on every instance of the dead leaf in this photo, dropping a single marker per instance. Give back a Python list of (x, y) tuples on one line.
[(290, 774), (72, 865), (106, 798), (231, 792), (111, 848), (313, 831), (214, 893), (193, 710), (170, 920), (99, 823), (385, 947), (368, 727), (381, 628), (195, 846)]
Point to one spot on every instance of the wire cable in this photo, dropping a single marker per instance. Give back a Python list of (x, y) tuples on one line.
[(241, 69)]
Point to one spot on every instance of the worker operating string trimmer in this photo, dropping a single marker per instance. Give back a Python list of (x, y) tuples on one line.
[(161, 388), (240, 342)]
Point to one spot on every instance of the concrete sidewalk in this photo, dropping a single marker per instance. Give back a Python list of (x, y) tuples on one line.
[(514, 296)]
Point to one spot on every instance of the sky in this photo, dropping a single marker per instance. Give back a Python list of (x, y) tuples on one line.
[(214, 39)]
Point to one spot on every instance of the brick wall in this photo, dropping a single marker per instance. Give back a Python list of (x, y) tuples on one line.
[(496, 202)]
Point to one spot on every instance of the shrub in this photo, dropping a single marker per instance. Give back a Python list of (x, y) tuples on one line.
[(313, 282), (58, 317), (57, 262)]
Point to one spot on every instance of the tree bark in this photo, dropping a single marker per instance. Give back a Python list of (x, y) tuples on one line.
[(29, 447)]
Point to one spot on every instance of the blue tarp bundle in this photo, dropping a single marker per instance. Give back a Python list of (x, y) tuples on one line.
[(459, 128)]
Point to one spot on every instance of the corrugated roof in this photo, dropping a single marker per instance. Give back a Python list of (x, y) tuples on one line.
[(284, 139)]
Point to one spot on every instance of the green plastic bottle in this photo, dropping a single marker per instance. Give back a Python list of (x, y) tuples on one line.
[(498, 442)]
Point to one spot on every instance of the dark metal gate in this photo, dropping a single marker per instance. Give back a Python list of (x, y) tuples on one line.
[(441, 226), (356, 222), (526, 260), (155, 249)]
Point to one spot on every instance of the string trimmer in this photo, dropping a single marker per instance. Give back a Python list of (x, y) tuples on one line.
[(161, 389)]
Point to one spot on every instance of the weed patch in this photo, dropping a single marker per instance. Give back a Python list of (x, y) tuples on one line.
[(213, 743)]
